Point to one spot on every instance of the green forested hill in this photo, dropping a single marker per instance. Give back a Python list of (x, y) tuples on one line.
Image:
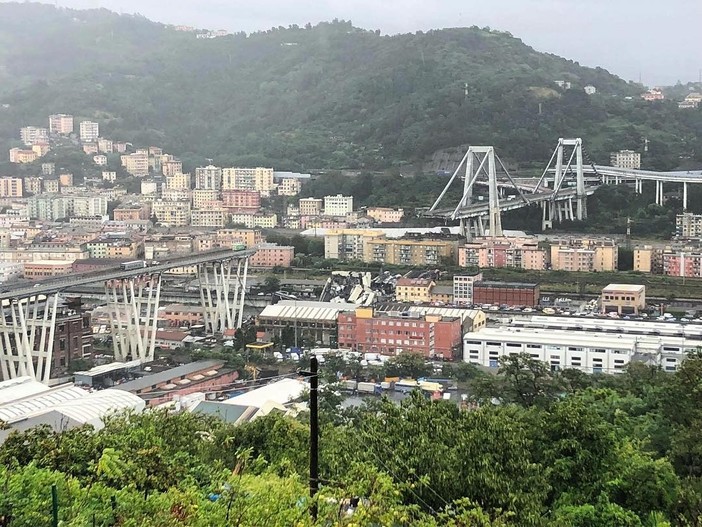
[(326, 96)]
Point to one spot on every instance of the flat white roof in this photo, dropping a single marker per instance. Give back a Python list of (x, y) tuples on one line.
[(106, 368), (553, 337), (19, 388), (633, 288), (280, 392), (605, 324)]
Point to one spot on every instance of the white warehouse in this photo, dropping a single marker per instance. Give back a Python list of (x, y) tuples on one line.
[(586, 351)]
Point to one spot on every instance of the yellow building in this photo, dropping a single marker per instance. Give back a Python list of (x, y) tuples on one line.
[(172, 213), (17, 155), (403, 251), (385, 214), (643, 259), (311, 206), (289, 187), (108, 248), (585, 255), (136, 164), (348, 244), (10, 187), (208, 217), (623, 298), (202, 197), (258, 178), (413, 290), (249, 237), (178, 181), (262, 221)]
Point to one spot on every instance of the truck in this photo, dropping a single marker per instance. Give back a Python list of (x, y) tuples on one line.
[(238, 246), (130, 266)]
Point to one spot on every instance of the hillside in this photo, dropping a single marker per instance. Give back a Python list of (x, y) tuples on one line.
[(326, 96)]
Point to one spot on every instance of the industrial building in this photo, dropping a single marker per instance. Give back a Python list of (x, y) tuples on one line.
[(623, 299), (506, 293), (314, 320)]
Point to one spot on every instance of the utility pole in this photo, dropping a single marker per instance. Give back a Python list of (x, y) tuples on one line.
[(314, 432)]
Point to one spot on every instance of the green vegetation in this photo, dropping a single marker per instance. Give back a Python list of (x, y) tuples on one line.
[(331, 95), (560, 449)]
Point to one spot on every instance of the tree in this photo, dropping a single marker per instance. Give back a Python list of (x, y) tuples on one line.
[(271, 284), (412, 365)]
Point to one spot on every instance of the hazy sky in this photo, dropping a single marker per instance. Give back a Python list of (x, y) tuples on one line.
[(660, 41)]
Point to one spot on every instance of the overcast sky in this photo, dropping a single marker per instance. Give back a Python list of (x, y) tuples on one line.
[(658, 41)]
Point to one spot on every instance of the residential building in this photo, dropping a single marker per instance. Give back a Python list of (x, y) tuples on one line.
[(171, 167), (385, 214), (202, 197), (249, 237), (95, 205), (311, 206), (506, 293), (168, 194), (563, 84), (10, 272), (262, 221), (463, 288), (289, 187), (269, 255), (625, 159), (31, 135), (17, 155), (624, 299), (90, 148), (172, 213), (10, 187), (411, 251), (131, 213), (61, 124), (180, 315), (100, 160), (120, 147), (109, 176), (48, 207), (685, 262), (149, 186), (413, 289), (178, 181), (258, 178), (65, 180), (242, 200), (348, 244), (89, 131), (111, 247), (33, 185), (433, 336), (691, 101), (61, 252), (590, 89), (644, 258), (338, 205), (48, 169), (688, 225), (43, 269), (106, 146), (51, 186), (654, 94), (522, 253), (584, 255), (208, 217), (137, 164), (73, 338), (208, 178)]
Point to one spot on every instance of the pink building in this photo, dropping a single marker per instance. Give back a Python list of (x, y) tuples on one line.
[(242, 200), (523, 253), (680, 263), (271, 255)]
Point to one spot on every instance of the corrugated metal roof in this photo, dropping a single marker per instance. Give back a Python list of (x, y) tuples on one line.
[(19, 388), (96, 405), (292, 310), (40, 403), (281, 392), (173, 373)]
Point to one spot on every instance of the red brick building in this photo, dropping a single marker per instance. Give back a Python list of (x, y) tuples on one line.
[(242, 200), (506, 293), (429, 335)]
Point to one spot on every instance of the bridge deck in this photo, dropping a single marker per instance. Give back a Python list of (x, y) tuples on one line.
[(59, 283)]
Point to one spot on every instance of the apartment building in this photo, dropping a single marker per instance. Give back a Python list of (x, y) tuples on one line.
[(411, 251), (10, 272), (433, 336), (242, 200), (249, 237), (10, 187), (31, 135), (168, 194), (251, 221), (338, 205), (258, 178), (172, 213), (49, 207), (131, 213), (95, 205), (208, 217), (625, 159), (110, 247), (269, 255), (66, 180), (61, 124), (109, 175), (18, 155), (202, 197), (522, 253), (688, 225), (90, 148), (178, 181), (48, 169), (89, 131), (348, 244), (311, 206), (137, 163), (51, 186), (106, 146), (33, 185), (413, 290), (463, 288), (208, 178), (100, 160), (385, 214), (171, 166), (289, 187), (149, 187), (585, 255)]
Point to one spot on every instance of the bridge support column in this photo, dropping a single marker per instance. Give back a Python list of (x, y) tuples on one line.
[(133, 304), (659, 193), (638, 186), (684, 197), (546, 215), (224, 309), (27, 338)]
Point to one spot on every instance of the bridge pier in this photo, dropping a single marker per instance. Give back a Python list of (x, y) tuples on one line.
[(131, 301), (659, 193), (27, 339), (221, 311), (638, 185), (684, 197)]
